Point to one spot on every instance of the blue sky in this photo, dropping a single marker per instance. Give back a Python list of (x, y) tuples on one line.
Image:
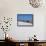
[(24, 17)]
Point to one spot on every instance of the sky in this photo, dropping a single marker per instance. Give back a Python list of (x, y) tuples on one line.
[(24, 16)]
